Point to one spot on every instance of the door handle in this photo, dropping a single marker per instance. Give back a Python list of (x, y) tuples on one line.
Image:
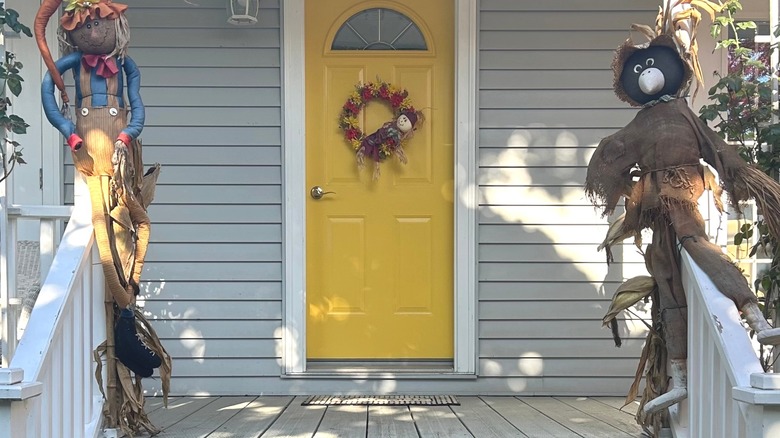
[(317, 192)]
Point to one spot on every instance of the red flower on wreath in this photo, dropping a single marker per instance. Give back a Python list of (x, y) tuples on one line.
[(395, 100)]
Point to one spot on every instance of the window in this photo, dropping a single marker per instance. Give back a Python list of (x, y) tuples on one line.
[(379, 29)]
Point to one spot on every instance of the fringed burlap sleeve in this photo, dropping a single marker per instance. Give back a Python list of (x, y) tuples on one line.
[(609, 172)]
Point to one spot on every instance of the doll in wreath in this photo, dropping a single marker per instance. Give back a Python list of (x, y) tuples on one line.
[(653, 164), (388, 140), (106, 151)]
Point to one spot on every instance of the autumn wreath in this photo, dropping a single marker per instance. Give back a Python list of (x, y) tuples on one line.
[(390, 137)]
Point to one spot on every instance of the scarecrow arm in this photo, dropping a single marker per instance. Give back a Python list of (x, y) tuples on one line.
[(50, 108), (609, 171), (137, 112), (723, 157)]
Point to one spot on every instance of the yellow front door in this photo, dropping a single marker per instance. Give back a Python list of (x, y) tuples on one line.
[(379, 252)]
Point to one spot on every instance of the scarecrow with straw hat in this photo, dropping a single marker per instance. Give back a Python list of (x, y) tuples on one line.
[(653, 165), (94, 36)]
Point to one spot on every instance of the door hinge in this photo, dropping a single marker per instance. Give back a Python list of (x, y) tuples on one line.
[(40, 178)]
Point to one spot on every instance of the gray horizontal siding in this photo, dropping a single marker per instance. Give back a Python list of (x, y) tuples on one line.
[(545, 101)]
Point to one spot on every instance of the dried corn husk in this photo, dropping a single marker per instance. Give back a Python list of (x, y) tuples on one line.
[(628, 294), (616, 234)]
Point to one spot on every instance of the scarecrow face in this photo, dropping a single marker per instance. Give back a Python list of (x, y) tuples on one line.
[(651, 73), (404, 124), (96, 36)]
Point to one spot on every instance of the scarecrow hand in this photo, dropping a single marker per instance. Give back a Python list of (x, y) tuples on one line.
[(119, 160), (75, 142)]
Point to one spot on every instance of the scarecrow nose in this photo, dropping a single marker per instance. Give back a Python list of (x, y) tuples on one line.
[(651, 81)]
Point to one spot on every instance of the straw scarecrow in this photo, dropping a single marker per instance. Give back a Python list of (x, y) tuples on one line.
[(94, 36), (653, 164)]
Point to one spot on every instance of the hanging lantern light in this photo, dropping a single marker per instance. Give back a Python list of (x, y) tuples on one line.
[(243, 12)]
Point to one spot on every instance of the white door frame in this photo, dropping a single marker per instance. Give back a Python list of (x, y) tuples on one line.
[(293, 334)]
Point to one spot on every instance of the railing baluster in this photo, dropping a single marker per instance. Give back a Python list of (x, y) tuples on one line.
[(47, 244)]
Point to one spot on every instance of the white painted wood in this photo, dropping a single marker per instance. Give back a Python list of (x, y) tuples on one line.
[(465, 262), (720, 351), (294, 359), (60, 338), (7, 270)]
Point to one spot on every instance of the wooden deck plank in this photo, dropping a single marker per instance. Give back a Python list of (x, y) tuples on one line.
[(581, 423), (343, 421), (605, 413), (477, 416), (390, 421), (438, 421), (178, 410), (296, 420), (620, 404), (482, 421), (254, 419), (202, 423), (528, 420), (152, 404)]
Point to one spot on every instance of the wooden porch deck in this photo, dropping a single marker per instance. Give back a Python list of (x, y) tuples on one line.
[(477, 416)]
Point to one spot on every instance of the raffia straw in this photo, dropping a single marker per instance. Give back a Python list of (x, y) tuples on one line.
[(765, 191)]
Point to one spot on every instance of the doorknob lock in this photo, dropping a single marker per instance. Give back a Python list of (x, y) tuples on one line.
[(317, 192)]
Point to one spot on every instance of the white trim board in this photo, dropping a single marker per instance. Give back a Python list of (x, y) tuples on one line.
[(294, 168)]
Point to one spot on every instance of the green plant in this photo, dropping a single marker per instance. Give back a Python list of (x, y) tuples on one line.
[(10, 74), (742, 113)]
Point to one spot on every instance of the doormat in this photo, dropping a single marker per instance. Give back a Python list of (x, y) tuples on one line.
[(381, 400)]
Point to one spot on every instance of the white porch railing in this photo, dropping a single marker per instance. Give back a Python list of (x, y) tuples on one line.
[(50, 218), (49, 389), (729, 395)]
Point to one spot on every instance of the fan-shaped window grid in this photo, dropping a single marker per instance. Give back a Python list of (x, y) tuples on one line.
[(379, 29)]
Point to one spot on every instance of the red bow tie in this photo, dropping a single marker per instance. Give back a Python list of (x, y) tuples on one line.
[(103, 65)]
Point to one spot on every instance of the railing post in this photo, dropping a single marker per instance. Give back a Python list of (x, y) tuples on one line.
[(763, 400), (16, 399)]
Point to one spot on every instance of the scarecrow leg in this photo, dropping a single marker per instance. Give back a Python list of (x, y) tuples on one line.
[(726, 276), (674, 314), (101, 222), (143, 229)]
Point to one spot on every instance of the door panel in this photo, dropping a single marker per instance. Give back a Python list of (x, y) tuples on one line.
[(380, 252)]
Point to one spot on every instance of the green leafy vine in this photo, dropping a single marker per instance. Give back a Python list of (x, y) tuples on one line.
[(10, 74)]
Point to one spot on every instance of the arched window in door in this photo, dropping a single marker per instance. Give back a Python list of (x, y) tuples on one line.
[(379, 29)]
